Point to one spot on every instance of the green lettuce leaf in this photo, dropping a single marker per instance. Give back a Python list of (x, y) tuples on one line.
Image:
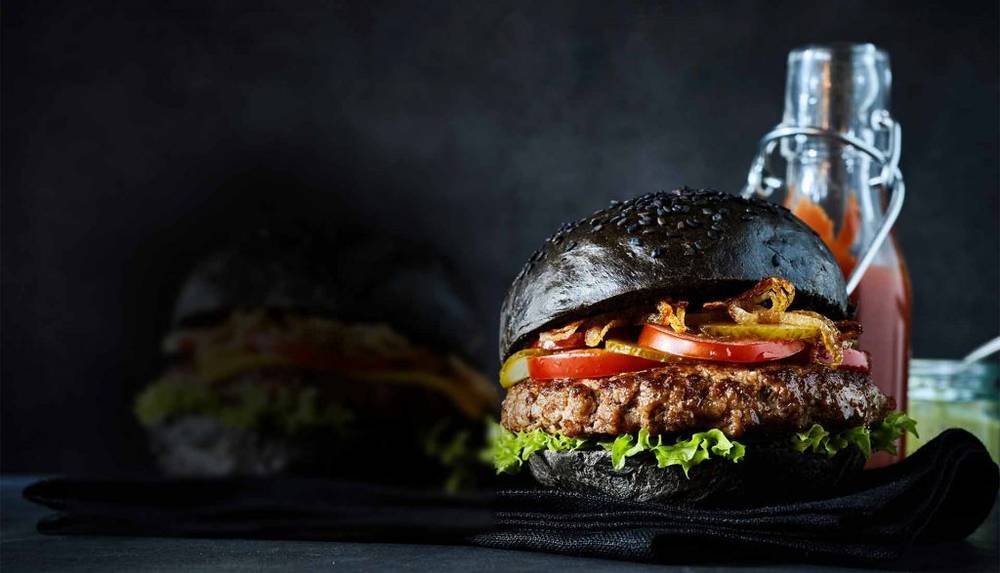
[(893, 427), (248, 406), (626, 446), (859, 437), (509, 450), (881, 437), (816, 439), (685, 453)]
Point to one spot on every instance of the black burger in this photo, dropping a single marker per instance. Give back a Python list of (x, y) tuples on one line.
[(687, 347), (294, 353)]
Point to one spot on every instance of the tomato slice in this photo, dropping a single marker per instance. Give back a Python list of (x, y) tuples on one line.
[(590, 363), (666, 340), (855, 360), (515, 368), (575, 340)]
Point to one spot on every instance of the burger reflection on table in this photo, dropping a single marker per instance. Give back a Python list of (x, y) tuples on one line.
[(293, 353)]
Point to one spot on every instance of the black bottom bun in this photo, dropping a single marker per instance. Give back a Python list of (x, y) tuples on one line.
[(767, 473), (202, 446)]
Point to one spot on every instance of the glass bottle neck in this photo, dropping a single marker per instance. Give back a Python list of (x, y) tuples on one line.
[(835, 177)]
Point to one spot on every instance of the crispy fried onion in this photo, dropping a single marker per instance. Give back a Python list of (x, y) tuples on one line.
[(767, 303), (561, 333), (667, 313), (778, 292), (595, 328), (670, 314), (596, 333)]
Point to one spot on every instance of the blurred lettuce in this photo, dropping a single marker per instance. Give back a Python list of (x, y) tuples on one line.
[(164, 399), (880, 437), (452, 449), (290, 410)]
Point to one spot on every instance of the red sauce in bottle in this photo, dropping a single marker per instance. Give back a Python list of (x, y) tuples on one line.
[(884, 299)]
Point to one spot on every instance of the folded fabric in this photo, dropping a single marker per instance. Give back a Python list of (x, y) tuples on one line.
[(941, 493), (265, 508)]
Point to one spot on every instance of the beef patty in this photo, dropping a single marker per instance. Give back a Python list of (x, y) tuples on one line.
[(775, 398)]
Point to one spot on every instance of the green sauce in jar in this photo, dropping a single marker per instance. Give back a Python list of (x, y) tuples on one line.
[(942, 397)]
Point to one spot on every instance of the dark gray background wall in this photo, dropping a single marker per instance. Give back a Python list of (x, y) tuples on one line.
[(134, 136)]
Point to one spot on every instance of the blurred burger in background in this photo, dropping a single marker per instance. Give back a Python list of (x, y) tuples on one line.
[(291, 352)]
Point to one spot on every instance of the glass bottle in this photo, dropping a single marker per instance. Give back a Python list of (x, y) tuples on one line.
[(833, 161)]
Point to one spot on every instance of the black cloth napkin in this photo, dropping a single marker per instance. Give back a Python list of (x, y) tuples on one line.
[(941, 493)]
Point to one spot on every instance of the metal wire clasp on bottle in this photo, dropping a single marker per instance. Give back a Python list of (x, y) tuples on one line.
[(762, 181)]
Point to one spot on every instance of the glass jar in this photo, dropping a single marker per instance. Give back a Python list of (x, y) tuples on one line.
[(942, 397)]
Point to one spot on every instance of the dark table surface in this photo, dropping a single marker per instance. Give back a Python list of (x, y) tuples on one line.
[(22, 548)]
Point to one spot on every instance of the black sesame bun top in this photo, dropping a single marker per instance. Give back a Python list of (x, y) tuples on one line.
[(698, 245), (361, 279), (278, 269)]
